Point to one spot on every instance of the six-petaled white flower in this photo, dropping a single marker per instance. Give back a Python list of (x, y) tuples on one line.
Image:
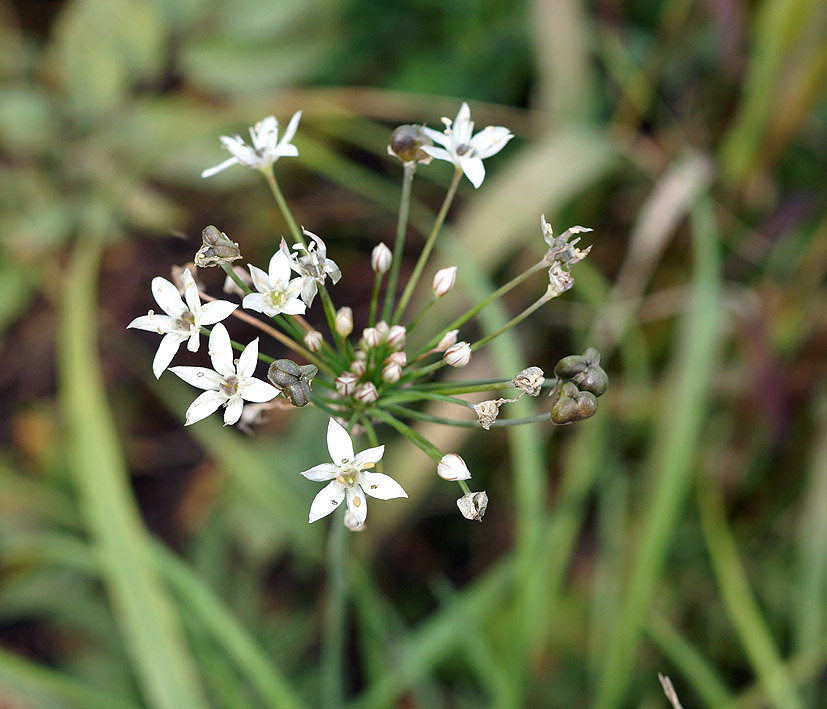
[(350, 477), (183, 321), (266, 147), (464, 150), (230, 384), (276, 292), (314, 267)]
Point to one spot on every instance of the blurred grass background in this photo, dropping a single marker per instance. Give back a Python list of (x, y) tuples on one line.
[(683, 529)]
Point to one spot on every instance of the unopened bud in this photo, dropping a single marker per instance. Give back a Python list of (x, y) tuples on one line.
[(473, 505), (346, 383), (383, 329), (360, 354), (407, 142), (391, 372), (380, 259), (396, 337), (313, 340), (529, 381), (452, 467), (359, 367), (444, 280), (448, 339), (366, 393), (399, 357), (370, 338), (343, 324), (458, 355), (216, 248)]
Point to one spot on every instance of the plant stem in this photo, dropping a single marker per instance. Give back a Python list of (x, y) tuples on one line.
[(423, 395), (499, 423), (333, 648), (511, 323), (270, 176), (426, 251), (374, 299), (399, 244), (496, 295), (417, 438)]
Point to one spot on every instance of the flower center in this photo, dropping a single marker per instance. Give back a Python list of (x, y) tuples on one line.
[(186, 321), (278, 298), (230, 385), (462, 149)]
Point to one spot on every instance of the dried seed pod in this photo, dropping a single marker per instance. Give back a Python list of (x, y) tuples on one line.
[(216, 248)]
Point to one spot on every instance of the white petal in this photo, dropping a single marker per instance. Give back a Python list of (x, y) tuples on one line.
[(279, 270), (338, 442), (210, 171), (153, 322), (435, 135), (438, 153), (357, 504), (290, 131), (248, 360), (166, 351), (200, 377), (473, 169), (254, 301), (191, 292), (168, 297), (369, 455), (285, 151), (321, 472), (261, 281), (381, 486), (194, 339), (258, 391), (327, 500), (221, 351), (294, 307), (233, 411), (216, 311), (204, 405), (490, 141)]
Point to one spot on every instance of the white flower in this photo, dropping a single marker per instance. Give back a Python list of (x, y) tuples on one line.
[(276, 292), (463, 150), (314, 266), (452, 467), (349, 478), (266, 147), (230, 384), (183, 321)]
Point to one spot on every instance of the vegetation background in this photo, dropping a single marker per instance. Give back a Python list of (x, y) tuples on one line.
[(683, 529)]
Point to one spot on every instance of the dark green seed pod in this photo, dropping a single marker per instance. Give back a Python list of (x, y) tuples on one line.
[(298, 393), (407, 142), (592, 356), (572, 405), (284, 373), (593, 380), (569, 367), (308, 372)]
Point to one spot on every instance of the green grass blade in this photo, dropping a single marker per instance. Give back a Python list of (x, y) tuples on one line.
[(676, 433), (145, 612)]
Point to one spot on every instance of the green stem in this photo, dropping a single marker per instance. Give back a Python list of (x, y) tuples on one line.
[(496, 295), (470, 388), (413, 436), (499, 423), (333, 648), (426, 251), (511, 323), (404, 396), (422, 312), (228, 269), (270, 176), (399, 244), (374, 299)]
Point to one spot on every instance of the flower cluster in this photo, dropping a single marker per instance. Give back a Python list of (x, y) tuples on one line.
[(377, 374)]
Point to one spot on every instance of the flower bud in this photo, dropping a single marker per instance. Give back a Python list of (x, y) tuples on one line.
[(399, 357), (361, 355), (473, 505), (313, 340), (452, 467), (391, 372), (529, 381), (343, 324), (346, 383), (370, 338), (396, 337), (458, 355), (366, 393), (359, 367), (407, 142), (444, 280), (383, 329), (448, 339), (380, 259), (216, 248)]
